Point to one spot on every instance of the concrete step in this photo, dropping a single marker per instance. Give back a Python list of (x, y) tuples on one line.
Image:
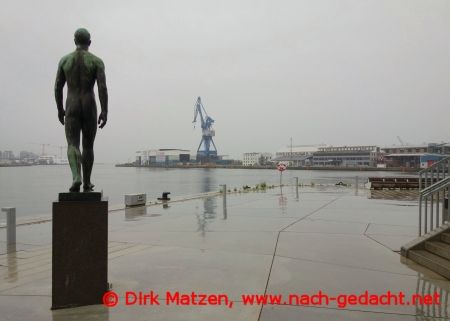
[(438, 248), (432, 261), (445, 237)]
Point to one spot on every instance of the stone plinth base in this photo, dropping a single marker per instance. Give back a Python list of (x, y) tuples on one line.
[(80, 251)]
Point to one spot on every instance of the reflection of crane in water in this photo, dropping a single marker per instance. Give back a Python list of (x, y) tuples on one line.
[(208, 215), (209, 150), (209, 204)]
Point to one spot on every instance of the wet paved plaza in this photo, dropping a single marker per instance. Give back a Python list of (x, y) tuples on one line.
[(323, 239)]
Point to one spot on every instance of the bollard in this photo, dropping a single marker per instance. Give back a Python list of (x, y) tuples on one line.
[(10, 225), (356, 185), (164, 197), (225, 214), (296, 188)]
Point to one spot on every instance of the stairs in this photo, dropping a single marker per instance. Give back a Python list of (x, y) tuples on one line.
[(432, 248), (431, 251)]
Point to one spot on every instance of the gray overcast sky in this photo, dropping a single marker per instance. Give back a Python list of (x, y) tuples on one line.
[(321, 71)]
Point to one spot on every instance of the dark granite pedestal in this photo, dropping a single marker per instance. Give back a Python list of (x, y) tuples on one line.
[(80, 250)]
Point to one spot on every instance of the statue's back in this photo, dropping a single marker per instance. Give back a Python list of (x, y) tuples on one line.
[(80, 69)]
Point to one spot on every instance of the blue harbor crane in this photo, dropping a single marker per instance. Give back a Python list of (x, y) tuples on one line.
[(207, 150)]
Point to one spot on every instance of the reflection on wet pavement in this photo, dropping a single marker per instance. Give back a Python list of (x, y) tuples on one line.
[(403, 195), (135, 213), (425, 286)]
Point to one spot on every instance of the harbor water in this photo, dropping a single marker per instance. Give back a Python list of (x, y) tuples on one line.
[(32, 189)]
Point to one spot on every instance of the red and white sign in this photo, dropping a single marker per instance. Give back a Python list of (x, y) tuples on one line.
[(281, 167)]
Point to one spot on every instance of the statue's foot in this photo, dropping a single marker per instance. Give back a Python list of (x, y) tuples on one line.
[(75, 187), (88, 187)]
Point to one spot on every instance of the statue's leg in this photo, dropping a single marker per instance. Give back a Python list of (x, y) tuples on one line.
[(89, 129), (73, 128)]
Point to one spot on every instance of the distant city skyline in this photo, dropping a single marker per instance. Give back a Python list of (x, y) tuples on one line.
[(54, 152)]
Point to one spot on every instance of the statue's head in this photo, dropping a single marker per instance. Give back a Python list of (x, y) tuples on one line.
[(82, 38)]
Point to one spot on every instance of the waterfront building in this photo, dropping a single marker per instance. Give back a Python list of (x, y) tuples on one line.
[(8, 155), (347, 156), (415, 156), (47, 160), (432, 148), (412, 160), (256, 159), (163, 156), (299, 155)]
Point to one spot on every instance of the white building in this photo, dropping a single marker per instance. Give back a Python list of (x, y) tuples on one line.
[(347, 156), (299, 155), (52, 160), (163, 156), (255, 158)]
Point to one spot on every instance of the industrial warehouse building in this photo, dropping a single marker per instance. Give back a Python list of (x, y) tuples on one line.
[(415, 156), (347, 156), (162, 156), (297, 155), (412, 160), (431, 148)]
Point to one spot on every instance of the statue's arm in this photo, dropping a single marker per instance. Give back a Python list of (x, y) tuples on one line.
[(59, 85), (102, 93)]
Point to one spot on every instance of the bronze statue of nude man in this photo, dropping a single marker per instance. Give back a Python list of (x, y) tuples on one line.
[(81, 69)]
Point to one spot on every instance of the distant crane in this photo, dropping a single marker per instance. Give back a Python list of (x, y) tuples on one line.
[(206, 149), (401, 141), (43, 148)]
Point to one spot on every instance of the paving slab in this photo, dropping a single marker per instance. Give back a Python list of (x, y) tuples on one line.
[(240, 241), (392, 242), (276, 313), (349, 250), (164, 268), (392, 230), (292, 276), (329, 227)]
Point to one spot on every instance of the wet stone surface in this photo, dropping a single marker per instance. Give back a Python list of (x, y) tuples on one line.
[(324, 238)]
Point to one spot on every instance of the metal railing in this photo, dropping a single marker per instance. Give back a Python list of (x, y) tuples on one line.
[(434, 173), (434, 188), (433, 206)]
